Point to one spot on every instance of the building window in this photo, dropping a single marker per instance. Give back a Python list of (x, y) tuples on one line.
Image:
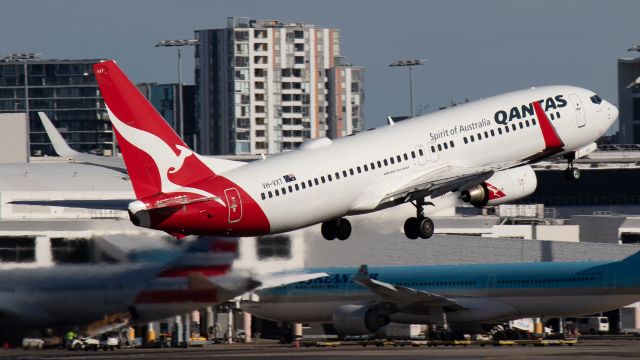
[(17, 249), (277, 246)]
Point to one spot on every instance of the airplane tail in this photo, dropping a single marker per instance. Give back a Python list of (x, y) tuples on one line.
[(201, 275), (153, 153)]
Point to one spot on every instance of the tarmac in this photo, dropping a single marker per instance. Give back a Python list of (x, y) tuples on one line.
[(600, 349)]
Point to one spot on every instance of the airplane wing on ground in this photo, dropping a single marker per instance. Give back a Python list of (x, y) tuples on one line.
[(63, 150), (402, 296)]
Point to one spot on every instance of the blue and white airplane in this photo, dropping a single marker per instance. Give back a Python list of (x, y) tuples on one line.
[(467, 297)]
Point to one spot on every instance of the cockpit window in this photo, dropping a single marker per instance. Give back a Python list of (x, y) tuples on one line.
[(596, 99)]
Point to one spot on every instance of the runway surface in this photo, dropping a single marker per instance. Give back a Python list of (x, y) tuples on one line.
[(601, 349)]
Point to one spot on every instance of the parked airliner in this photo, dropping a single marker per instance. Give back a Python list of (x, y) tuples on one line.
[(76, 295), (467, 297), (481, 150)]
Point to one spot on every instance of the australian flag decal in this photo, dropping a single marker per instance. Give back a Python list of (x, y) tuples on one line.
[(289, 177)]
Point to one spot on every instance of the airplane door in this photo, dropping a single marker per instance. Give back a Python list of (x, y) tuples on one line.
[(491, 284), (431, 149), (581, 116), (234, 204), (421, 154)]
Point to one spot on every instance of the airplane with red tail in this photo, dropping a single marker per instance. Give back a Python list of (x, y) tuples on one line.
[(481, 150)]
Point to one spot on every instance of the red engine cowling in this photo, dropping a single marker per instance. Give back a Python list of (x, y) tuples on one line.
[(502, 187)]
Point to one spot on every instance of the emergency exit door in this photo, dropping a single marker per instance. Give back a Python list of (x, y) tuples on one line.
[(581, 116)]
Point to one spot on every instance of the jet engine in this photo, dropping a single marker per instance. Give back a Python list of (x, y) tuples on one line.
[(502, 187), (359, 319)]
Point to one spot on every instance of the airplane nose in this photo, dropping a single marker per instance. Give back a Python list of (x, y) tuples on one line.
[(613, 111)]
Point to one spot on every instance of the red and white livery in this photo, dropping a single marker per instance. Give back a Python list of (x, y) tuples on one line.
[(481, 149)]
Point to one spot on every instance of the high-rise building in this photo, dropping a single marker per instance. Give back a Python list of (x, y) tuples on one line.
[(346, 99), (164, 97), (64, 89), (629, 101), (263, 86)]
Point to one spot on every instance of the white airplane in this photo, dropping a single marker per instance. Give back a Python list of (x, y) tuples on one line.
[(72, 295), (65, 296), (480, 149), (466, 297)]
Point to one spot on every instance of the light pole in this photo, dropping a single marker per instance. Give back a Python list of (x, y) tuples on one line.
[(24, 58), (410, 63), (179, 44)]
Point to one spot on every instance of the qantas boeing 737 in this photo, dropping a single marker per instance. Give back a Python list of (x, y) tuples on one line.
[(481, 150)]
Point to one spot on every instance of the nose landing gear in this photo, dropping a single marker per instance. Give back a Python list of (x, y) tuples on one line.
[(571, 173), (419, 226)]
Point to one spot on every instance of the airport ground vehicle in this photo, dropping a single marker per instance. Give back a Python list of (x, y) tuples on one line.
[(461, 149), (32, 343), (110, 343), (84, 343), (592, 324)]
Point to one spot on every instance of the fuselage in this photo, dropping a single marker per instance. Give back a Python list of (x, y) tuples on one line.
[(327, 179), (488, 293)]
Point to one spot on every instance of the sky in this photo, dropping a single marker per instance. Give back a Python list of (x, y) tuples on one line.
[(473, 49)]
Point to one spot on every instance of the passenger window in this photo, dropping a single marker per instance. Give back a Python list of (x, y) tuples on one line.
[(304, 186), (526, 122), (373, 166), (492, 133), (297, 187), (351, 171), (391, 160), (479, 136), (344, 173), (471, 138), (413, 154), (445, 146), (433, 149), (358, 168), (558, 115), (499, 131), (276, 192), (486, 135), (465, 140), (290, 188), (380, 164), (316, 181), (284, 191), (533, 121), (310, 183), (385, 162), (270, 194), (420, 152), (329, 177), (337, 175), (552, 117), (439, 147), (366, 168), (399, 158), (263, 196), (513, 127), (322, 179), (451, 143), (521, 126), (506, 128)]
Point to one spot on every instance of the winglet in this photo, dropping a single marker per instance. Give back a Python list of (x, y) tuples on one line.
[(59, 145), (390, 121)]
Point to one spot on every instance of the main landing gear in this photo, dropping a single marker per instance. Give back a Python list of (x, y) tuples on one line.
[(338, 228), (419, 226), (571, 173)]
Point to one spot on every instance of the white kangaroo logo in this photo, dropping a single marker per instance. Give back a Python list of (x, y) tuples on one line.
[(162, 154)]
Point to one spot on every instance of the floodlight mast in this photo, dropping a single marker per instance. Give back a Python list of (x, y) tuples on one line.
[(179, 44), (410, 63)]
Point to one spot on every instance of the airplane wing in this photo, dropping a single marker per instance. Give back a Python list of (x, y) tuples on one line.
[(402, 296), (98, 204), (63, 150)]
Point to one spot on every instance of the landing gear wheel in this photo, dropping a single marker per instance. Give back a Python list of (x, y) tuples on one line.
[(426, 228), (572, 173), (411, 228), (343, 229), (329, 229)]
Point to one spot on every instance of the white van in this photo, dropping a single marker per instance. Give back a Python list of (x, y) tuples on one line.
[(592, 324)]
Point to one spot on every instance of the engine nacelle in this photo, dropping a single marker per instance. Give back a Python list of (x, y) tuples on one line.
[(502, 187), (358, 320)]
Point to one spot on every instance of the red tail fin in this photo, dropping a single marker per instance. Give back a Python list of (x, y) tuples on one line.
[(151, 149)]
